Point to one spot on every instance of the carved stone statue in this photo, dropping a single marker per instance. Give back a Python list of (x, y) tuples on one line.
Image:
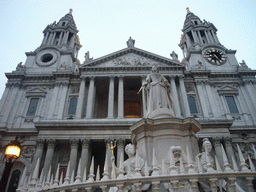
[(174, 56), (131, 161), (87, 56), (130, 42), (204, 158), (20, 67), (158, 98), (243, 64)]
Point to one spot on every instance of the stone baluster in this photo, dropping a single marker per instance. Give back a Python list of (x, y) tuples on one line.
[(194, 185), (80, 102), (73, 154), (184, 97), (121, 97), (249, 184), (213, 183), (175, 185), (49, 154), (39, 152), (85, 154), (91, 99), (231, 184), (111, 97), (175, 98), (156, 186)]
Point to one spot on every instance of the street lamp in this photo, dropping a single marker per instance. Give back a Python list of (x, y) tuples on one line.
[(12, 151)]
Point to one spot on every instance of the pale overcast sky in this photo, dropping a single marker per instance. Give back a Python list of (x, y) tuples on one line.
[(105, 26)]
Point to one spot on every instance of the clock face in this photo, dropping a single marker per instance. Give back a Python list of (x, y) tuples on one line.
[(215, 56)]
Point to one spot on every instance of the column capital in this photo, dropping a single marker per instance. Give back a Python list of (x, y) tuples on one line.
[(172, 77), (74, 143), (120, 76), (216, 140), (85, 143), (111, 76), (40, 143), (120, 142), (227, 140), (51, 143), (92, 77)]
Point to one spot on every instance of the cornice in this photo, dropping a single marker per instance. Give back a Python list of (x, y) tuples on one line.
[(132, 50)]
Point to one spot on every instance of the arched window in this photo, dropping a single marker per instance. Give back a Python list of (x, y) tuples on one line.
[(72, 106), (14, 181), (192, 104)]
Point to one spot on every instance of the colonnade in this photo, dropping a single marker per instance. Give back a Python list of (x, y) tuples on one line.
[(75, 144), (180, 108)]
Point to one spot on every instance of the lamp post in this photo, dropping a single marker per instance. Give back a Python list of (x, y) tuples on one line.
[(12, 151)]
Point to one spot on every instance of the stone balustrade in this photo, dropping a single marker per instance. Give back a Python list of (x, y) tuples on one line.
[(173, 179)]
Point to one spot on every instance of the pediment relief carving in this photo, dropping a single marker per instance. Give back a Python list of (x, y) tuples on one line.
[(227, 89), (36, 92), (132, 60)]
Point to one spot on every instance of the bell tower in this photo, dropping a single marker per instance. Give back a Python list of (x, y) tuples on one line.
[(59, 47), (201, 47)]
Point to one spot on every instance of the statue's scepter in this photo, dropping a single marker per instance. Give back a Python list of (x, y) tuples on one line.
[(112, 147), (140, 89)]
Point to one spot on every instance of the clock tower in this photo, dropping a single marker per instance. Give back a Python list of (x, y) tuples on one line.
[(58, 50), (201, 47)]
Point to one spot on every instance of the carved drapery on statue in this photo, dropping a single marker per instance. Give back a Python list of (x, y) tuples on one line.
[(158, 98)]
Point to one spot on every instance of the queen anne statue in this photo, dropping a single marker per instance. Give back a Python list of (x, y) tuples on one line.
[(158, 98)]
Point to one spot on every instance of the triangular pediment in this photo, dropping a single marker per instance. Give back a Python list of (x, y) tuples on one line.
[(131, 57), (227, 89), (36, 92)]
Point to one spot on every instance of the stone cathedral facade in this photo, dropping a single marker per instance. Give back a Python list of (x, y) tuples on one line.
[(63, 110)]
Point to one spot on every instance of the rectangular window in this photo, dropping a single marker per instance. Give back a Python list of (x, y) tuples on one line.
[(32, 106), (231, 104)]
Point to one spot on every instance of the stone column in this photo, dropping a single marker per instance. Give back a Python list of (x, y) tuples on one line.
[(194, 36), (73, 154), (184, 97), (108, 155), (217, 146), (53, 101), (60, 38), (80, 102), (111, 97), (199, 85), (64, 90), (248, 102), (39, 153), (215, 37), (144, 103), (121, 97), (188, 40), (45, 38), (120, 149), (49, 155), (175, 98), (91, 97), (4, 97), (211, 100), (209, 36), (85, 155), (199, 37), (49, 39), (10, 103), (52, 41), (229, 149)]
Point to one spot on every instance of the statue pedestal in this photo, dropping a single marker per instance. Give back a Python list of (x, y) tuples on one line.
[(163, 133), (161, 113)]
